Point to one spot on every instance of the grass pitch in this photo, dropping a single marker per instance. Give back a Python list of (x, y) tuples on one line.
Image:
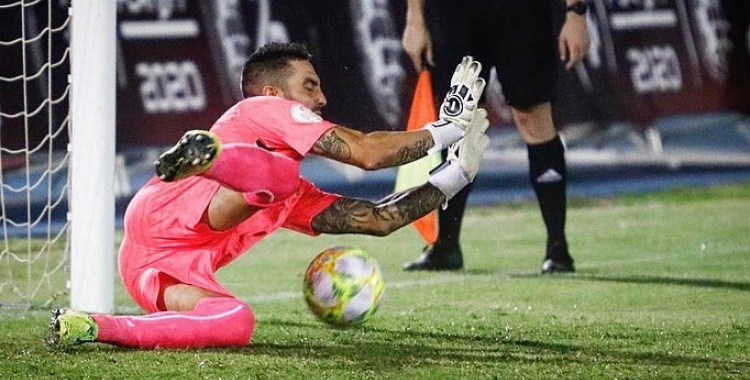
[(662, 291)]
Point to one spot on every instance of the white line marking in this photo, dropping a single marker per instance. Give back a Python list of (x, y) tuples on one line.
[(647, 258), (288, 295)]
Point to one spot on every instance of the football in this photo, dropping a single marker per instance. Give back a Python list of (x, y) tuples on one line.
[(343, 286)]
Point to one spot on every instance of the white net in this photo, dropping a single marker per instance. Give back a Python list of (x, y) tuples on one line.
[(34, 120)]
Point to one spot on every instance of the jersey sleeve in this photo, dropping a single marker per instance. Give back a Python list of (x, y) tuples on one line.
[(284, 124), (312, 201)]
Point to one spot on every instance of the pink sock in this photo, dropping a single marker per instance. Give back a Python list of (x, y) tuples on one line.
[(264, 177), (215, 322)]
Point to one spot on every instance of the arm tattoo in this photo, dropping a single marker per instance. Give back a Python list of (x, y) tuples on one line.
[(351, 215), (411, 153), (334, 146)]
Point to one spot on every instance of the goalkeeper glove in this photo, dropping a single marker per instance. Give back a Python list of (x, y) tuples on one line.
[(457, 109), (464, 158)]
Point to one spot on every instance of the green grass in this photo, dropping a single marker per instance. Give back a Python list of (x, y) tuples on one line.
[(662, 291)]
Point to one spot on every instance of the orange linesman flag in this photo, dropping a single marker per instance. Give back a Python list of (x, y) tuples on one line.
[(415, 173)]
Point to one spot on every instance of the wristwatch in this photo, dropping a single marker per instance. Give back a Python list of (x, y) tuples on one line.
[(579, 8)]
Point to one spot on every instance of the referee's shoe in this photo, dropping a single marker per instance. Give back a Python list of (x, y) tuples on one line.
[(557, 259), (437, 258)]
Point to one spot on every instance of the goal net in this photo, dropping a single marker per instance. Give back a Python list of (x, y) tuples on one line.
[(55, 209)]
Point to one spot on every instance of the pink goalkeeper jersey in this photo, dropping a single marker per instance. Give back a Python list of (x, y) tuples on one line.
[(163, 228)]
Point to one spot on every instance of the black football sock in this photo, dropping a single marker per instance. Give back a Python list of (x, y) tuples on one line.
[(547, 173)]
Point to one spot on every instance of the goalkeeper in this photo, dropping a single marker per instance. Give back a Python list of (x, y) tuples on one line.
[(218, 193)]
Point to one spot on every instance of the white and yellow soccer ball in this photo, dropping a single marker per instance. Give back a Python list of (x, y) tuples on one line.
[(343, 286)]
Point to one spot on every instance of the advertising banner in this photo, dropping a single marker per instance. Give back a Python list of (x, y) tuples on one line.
[(179, 62)]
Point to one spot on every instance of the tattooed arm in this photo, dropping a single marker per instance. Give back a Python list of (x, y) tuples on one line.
[(352, 215), (373, 150)]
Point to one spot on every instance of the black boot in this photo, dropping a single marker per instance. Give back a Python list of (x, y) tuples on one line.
[(557, 259), (438, 258)]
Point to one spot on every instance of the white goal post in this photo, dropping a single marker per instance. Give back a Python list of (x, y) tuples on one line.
[(92, 149), (57, 154)]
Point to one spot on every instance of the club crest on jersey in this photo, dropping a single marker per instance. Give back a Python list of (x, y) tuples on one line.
[(303, 114)]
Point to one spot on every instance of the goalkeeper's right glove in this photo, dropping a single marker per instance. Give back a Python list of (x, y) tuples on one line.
[(464, 158), (457, 109)]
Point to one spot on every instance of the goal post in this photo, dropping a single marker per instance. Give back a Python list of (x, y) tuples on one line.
[(92, 150)]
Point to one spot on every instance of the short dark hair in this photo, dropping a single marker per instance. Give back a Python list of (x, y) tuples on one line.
[(270, 64)]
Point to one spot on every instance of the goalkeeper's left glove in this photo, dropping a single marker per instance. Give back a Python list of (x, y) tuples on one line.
[(457, 109)]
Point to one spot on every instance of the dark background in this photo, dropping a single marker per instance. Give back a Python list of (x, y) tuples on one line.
[(366, 77)]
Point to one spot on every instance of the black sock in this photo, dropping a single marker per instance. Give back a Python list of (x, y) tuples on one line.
[(450, 219), (547, 173)]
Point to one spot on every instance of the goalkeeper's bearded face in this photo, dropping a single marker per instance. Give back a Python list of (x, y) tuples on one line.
[(303, 85)]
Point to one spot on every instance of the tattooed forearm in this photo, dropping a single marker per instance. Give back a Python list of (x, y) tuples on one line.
[(334, 146), (374, 150), (410, 153), (350, 215)]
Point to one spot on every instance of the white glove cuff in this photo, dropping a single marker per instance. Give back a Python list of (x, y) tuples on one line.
[(449, 178), (444, 133)]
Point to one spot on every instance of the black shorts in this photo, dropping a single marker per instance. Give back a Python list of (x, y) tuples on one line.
[(514, 36)]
